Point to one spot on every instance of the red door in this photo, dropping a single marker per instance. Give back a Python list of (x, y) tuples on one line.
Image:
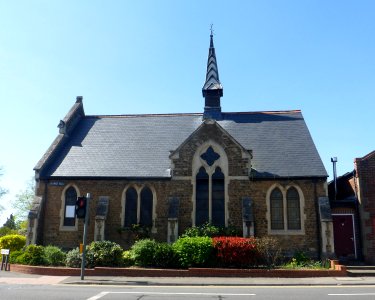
[(344, 235)]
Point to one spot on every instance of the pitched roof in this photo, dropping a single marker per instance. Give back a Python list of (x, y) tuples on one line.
[(140, 145), (366, 157)]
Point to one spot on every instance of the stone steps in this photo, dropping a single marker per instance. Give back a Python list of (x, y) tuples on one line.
[(361, 271)]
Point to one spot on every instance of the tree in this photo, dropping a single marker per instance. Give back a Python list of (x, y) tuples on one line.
[(10, 223), (23, 201)]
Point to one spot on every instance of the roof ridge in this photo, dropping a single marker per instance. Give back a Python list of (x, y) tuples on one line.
[(265, 112), (144, 115), (194, 114)]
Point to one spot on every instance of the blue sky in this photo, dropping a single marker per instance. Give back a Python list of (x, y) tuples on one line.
[(129, 57)]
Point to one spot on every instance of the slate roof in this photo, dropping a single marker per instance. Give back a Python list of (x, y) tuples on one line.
[(132, 146)]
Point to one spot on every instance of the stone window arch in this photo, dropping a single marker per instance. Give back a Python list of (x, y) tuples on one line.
[(210, 181), (202, 196), (131, 207), (293, 209), (277, 210), (285, 207), (218, 197), (138, 206), (146, 207), (68, 220)]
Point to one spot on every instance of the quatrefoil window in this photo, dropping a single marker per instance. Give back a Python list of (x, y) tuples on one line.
[(210, 156)]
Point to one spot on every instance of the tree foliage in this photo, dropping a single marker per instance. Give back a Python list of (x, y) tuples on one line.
[(13, 242), (24, 200), (10, 222), (3, 191)]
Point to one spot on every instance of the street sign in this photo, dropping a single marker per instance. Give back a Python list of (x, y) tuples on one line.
[(5, 251)]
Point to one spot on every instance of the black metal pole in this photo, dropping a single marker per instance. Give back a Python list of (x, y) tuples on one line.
[(88, 197)]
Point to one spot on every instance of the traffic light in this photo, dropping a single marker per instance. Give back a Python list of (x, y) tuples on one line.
[(81, 207)]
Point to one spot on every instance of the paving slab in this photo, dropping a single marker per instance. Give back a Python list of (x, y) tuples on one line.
[(215, 281), (21, 278)]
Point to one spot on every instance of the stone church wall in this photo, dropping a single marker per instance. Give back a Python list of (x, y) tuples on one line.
[(236, 167), (257, 190)]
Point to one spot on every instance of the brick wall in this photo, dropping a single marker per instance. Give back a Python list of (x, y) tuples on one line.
[(365, 175), (338, 271)]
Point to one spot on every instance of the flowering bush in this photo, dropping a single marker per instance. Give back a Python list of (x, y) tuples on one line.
[(236, 251)]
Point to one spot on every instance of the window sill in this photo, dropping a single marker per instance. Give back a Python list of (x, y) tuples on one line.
[(286, 232), (68, 228)]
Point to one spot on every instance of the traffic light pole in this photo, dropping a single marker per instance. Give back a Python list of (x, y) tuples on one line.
[(88, 196)]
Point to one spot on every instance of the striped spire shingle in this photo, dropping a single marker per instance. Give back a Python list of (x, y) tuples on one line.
[(212, 74)]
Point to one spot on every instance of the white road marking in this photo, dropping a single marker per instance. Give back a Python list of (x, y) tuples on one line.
[(102, 294), (98, 296), (360, 294)]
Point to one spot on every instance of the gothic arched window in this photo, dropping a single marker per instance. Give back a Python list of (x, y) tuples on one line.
[(218, 198), (202, 197), (293, 209), (277, 210), (285, 206), (69, 209), (146, 207), (131, 204)]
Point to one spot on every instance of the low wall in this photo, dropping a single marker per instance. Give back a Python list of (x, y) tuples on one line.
[(336, 271)]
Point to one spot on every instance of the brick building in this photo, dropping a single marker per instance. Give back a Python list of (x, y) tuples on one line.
[(257, 171), (353, 211)]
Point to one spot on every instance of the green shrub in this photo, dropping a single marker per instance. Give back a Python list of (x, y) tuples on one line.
[(54, 256), (137, 231), (309, 264), (164, 256), (301, 258), (74, 259), (33, 255), (127, 258), (14, 256), (13, 242), (106, 253), (148, 253), (193, 251), (203, 230), (7, 231), (143, 252), (210, 230)]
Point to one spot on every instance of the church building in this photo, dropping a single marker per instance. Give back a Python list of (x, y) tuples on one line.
[(159, 174)]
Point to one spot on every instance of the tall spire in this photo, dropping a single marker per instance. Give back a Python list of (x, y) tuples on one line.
[(212, 90)]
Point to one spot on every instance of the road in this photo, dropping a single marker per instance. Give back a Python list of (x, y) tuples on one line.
[(104, 292)]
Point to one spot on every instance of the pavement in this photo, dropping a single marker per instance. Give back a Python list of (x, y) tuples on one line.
[(20, 278)]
